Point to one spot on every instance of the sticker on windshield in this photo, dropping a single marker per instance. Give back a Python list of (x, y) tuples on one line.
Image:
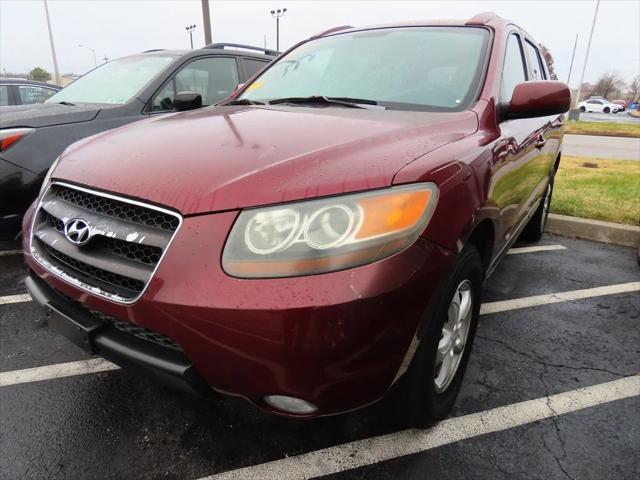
[(255, 86)]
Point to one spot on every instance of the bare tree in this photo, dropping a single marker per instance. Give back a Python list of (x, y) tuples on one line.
[(633, 92), (549, 59), (609, 84)]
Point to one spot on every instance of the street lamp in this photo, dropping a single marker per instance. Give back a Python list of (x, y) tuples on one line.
[(95, 63), (277, 14), (190, 29)]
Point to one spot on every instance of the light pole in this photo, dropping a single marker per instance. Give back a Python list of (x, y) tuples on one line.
[(53, 48), (277, 14), (572, 57), (190, 29), (586, 56), (95, 63)]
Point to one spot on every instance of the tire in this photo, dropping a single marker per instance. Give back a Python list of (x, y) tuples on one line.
[(425, 393), (535, 228), (582, 109), (606, 110)]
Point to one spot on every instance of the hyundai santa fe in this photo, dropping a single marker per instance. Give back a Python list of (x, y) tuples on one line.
[(320, 239)]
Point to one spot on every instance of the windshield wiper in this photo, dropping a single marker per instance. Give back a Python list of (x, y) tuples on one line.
[(68, 104), (344, 101), (243, 101)]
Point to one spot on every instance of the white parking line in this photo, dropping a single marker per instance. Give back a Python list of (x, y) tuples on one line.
[(4, 253), (536, 300), (386, 447), (21, 298), (540, 248), (60, 370)]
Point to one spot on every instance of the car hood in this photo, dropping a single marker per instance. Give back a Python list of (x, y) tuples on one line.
[(46, 115), (225, 158)]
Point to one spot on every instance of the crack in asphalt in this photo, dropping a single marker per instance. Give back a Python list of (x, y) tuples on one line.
[(541, 374), (537, 359)]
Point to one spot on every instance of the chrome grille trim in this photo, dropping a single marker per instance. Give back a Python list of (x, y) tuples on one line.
[(59, 272)]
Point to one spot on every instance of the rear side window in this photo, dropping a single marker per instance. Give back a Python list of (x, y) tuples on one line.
[(4, 95), (536, 69), (513, 71), (30, 94), (253, 66), (214, 78)]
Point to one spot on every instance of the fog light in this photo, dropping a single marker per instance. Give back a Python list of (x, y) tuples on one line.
[(290, 404)]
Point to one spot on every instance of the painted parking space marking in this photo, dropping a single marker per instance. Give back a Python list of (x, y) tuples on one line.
[(60, 370), (537, 300), (407, 442), (5, 253), (9, 299), (540, 248)]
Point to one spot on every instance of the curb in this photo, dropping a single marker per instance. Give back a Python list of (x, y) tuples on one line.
[(605, 232)]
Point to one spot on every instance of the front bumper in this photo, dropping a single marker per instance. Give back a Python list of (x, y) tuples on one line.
[(337, 340)]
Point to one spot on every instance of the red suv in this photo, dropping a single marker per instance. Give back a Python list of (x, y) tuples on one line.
[(321, 238)]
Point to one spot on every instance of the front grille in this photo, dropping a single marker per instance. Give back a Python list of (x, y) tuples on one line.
[(97, 273), (117, 209), (127, 240)]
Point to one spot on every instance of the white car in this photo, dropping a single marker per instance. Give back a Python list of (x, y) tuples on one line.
[(599, 105)]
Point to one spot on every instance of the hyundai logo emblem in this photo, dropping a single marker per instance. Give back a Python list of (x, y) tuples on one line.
[(77, 231)]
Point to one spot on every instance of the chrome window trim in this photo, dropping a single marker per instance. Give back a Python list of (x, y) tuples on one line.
[(80, 284)]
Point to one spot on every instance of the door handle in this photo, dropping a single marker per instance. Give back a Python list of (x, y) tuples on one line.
[(540, 143)]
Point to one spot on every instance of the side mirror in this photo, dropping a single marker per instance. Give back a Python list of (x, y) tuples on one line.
[(187, 101), (539, 99)]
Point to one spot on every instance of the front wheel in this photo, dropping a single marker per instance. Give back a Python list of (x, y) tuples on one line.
[(535, 228), (429, 388), (606, 110), (582, 109)]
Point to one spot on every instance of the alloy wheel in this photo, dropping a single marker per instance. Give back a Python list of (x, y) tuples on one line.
[(453, 338)]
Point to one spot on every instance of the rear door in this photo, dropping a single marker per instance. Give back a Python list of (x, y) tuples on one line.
[(252, 66)]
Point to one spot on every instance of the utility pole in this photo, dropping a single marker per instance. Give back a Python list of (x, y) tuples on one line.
[(95, 63), (206, 21), (190, 29), (572, 57), (277, 14), (53, 48), (586, 57)]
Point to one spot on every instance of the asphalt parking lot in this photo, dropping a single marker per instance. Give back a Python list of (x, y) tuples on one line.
[(552, 391)]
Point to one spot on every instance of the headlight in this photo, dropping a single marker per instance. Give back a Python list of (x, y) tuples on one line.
[(11, 136), (329, 234), (47, 177)]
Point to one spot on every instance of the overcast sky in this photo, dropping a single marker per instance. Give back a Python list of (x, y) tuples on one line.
[(120, 27)]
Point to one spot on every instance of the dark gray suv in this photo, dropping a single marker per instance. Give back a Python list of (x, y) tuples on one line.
[(114, 94)]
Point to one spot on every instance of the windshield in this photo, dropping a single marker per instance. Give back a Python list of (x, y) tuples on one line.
[(114, 82), (417, 68)]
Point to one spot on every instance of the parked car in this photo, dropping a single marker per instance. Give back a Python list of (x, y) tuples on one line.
[(621, 103), (321, 239), (114, 94), (20, 91), (598, 105)]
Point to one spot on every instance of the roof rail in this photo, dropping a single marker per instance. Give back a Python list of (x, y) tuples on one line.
[(482, 18), (222, 46), (331, 30), (154, 50)]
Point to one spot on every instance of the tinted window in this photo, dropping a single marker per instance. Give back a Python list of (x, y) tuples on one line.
[(513, 70), (33, 94), (412, 68), (214, 78), (114, 82), (597, 102), (253, 66), (536, 69), (4, 95)]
